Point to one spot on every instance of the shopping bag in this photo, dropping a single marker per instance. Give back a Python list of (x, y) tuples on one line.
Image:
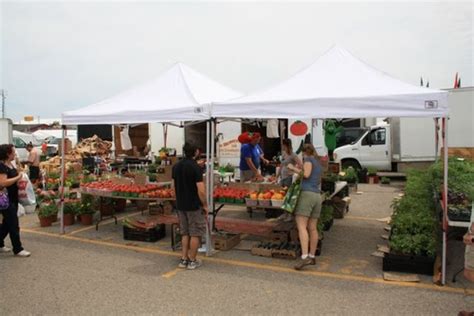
[(291, 197), (21, 211), (26, 192), (4, 201)]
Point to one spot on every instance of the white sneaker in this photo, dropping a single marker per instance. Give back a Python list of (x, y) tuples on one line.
[(5, 250), (192, 265), (23, 253)]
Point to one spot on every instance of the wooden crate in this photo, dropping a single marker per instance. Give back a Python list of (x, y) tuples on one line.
[(262, 252), (225, 241)]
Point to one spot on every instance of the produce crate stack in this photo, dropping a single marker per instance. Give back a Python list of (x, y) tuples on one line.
[(140, 230)]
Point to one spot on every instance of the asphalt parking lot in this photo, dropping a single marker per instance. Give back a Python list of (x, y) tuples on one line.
[(86, 272)]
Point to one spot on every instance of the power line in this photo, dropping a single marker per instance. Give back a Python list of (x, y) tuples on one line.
[(3, 103)]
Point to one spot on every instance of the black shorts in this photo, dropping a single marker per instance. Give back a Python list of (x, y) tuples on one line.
[(34, 173)]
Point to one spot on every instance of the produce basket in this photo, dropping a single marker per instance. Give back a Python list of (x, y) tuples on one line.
[(265, 203), (251, 202), (149, 235), (277, 203)]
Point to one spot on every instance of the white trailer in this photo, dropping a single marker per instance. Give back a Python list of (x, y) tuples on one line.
[(6, 131)]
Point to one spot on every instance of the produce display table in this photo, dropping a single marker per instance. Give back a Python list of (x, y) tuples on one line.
[(459, 224), (102, 194), (454, 223), (108, 194), (234, 225)]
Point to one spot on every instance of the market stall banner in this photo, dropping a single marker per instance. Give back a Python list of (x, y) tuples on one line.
[(230, 149)]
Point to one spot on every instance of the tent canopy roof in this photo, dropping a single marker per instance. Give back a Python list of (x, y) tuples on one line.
[(337, 85), (179, 94)]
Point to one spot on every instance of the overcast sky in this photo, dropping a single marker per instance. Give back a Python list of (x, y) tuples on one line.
[(58, 56)]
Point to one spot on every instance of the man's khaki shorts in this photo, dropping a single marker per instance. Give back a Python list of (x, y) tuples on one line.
[(192, 223), (309, 204)]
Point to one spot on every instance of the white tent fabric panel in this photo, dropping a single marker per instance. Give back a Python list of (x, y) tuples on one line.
[(180, 94), (338, 85)]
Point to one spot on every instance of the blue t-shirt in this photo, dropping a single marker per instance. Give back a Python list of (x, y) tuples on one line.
[(312, 183), (250, 151)]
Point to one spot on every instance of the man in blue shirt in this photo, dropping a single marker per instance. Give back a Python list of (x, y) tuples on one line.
[(250, 156)]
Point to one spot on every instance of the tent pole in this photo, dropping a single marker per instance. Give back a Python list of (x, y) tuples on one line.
[(445, 197), (208, 185), (113, 142), (436, 125), (211, 178), (63, 176)]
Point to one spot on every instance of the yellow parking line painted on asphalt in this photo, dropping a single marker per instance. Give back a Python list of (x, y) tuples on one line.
[(260, 266), (108, 221), (171, 273), (360, 218)]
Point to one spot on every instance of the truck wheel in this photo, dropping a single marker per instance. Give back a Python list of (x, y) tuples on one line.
[(351, 163)]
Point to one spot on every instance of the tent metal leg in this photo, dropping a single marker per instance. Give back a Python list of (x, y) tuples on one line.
[(63, 175), (445, 196), (208, 186), (211, 178)]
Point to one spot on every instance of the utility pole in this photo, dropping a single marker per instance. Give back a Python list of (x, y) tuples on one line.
[(3, 103)]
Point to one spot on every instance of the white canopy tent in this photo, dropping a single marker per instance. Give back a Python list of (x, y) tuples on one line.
[(179, 94), (339, 85)]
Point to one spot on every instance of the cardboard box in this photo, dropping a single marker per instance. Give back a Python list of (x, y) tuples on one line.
[(121, 180), (225, 241), (68, 146), (141, 179), (164, 173)]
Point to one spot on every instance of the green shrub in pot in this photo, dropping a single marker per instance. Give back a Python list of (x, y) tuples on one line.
[(47, 210), (350, 175)]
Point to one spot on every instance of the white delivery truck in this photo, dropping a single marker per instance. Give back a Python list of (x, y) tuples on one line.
[(6, 134), (408, 142), (397, 145)]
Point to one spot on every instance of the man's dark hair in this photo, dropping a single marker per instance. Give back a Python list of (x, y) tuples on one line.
[(5, 150), (189, 150), (29, 145)]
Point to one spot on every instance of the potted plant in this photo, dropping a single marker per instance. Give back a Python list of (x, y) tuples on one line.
[(71, 208), (372, 173), (326, 218), (350, 176), (328, 182), (362, 175), (385, 180), (413, 240), (45, 213), (87, 209), (87, 214)]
